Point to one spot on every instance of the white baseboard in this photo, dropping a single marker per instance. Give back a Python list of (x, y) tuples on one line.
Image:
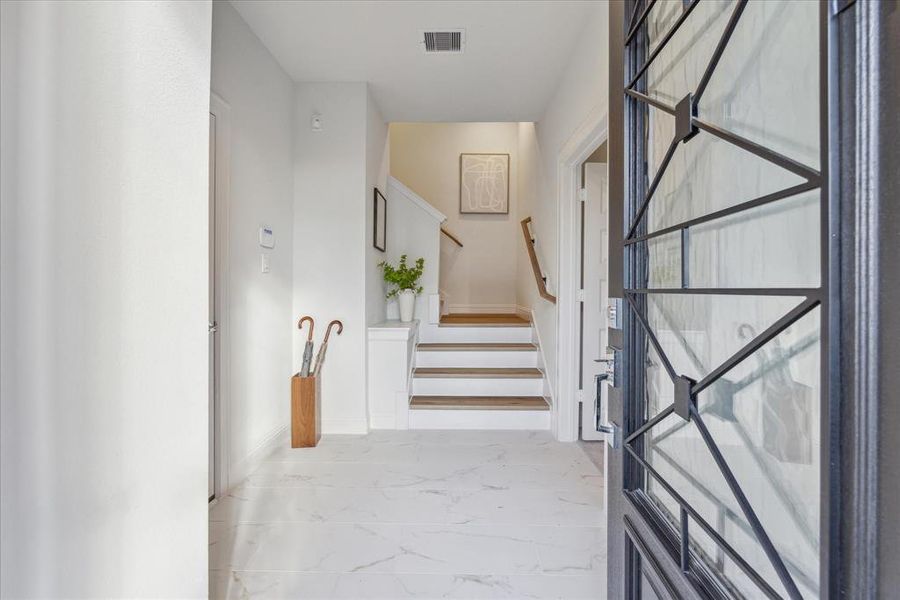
[(492, 309), (382, 421), (241, 469), (345, 426)]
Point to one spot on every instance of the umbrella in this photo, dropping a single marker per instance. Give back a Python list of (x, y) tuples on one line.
[(307, 351), (320, 357)]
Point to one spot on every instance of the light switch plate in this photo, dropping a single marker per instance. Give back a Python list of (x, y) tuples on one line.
[(264, 263)]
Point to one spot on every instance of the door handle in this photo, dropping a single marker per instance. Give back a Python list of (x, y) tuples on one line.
[(213, 327), (608, 428)]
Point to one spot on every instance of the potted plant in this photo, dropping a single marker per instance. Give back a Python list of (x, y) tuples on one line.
[(405, 282)]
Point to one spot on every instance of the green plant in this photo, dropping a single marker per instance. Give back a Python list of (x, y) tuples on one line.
[(403, 277)]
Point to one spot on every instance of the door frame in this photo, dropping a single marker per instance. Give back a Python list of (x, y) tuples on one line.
[(864, 84), (222, 111), (577, 149), (587, 395)]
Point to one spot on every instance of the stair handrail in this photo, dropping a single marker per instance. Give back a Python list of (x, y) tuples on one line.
[(539, 278), (452, 237)]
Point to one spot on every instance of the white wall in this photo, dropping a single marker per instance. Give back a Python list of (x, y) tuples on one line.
[(378, 156), (104, 277), (260, 320), (529, 182), (414, 229), (332, 176), (481, 276), (582, 92)]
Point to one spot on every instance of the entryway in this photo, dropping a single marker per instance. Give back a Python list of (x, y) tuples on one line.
[(415, 514)]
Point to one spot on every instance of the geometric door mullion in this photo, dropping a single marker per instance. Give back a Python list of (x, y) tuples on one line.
[(688, 126)]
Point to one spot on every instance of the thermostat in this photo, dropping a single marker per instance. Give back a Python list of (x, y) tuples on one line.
[(266, 237)]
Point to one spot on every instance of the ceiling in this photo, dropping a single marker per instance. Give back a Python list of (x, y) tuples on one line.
[(515, 52)]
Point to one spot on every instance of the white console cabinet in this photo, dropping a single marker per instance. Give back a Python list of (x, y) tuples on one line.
[(392, 352)]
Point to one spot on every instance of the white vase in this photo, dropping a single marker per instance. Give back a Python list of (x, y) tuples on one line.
[(407, 301)]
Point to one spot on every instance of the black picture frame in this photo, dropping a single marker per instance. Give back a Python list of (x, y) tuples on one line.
[(379, 234)]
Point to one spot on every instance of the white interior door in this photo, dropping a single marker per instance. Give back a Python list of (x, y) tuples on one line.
[(213, 346), (595, 285)]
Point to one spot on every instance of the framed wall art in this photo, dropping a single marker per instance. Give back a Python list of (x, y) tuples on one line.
[(379, 239), (484, 184)]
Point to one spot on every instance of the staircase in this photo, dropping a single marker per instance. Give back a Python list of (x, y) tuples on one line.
[(479, 371)]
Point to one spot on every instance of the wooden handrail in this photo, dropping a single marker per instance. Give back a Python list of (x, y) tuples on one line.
[(539, 278), (452, 237)]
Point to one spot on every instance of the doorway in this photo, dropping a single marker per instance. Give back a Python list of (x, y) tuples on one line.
[(594, 360), (575, 273), (219, 160), (213, 349)]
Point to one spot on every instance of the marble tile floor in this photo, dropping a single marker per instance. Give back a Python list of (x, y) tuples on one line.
[(415, 514)]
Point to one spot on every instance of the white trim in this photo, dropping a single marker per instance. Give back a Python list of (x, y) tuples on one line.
[(493, 309), (387, 420), (244, 467), (225, 477), (589, 135), (416, 199), (394, 330), (345, 426), (525, 312), (434, 308), (542, 362)]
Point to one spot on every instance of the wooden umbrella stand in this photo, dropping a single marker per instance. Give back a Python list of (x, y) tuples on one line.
[(306, 396), (306, 411)]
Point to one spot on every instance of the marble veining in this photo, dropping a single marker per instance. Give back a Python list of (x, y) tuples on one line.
[(436, 514)]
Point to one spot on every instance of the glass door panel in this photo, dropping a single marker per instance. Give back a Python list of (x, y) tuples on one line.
[(725, 291)]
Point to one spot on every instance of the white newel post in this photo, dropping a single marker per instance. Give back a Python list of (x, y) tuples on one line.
[(392, 351)]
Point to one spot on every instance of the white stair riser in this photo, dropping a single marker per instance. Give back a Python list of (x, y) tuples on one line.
[(458, 386), (474, 358), (479, 419), (472, 335)]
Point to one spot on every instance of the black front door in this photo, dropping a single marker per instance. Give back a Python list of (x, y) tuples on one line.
[(720, 485)]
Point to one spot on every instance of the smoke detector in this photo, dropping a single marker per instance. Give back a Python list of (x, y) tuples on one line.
[(444, 41)]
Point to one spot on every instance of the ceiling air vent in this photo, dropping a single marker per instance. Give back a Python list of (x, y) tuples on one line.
[(450, 40)]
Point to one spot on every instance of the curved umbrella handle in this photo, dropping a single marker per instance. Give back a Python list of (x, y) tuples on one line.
[(312, 325), (340, 327)]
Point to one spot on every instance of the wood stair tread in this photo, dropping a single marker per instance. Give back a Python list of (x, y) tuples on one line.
[(478, 403), (486, 346), (483, 320), (480, 372)]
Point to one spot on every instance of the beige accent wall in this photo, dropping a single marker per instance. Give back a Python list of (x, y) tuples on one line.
[(481, 276)]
